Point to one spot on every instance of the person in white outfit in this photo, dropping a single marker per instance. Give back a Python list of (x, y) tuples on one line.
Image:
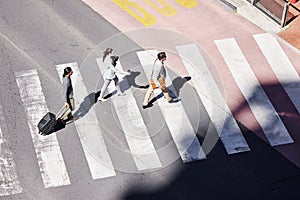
[(110, 61)]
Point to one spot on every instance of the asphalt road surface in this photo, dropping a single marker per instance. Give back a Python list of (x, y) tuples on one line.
[(36, 38)]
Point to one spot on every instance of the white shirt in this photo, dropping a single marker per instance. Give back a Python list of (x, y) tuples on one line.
[(110, 70), (158, 71)]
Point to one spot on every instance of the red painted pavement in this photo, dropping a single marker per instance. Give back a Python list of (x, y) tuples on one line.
[(210, 21)]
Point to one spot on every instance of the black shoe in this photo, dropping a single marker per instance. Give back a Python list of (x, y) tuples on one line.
[(173, 100), (147, 106)]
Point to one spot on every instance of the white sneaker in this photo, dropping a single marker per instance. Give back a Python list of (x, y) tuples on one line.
[(102, 99), (121, 94)]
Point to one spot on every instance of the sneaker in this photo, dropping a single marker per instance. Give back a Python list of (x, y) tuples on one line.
[(121, 94), (102, 99), (173, 101), (147, 106)]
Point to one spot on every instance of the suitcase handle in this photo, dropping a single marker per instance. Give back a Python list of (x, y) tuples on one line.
[(61, 112)]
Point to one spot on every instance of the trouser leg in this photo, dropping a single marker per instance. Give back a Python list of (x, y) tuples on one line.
[(164, 89), (148, 95), (104, 87), (68, 112), (116, 80)]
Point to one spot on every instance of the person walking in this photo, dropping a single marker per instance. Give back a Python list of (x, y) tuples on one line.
[(157, 79), (110, 61), (68, 96)]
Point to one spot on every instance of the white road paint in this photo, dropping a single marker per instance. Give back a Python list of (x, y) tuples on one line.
[(254, 94), (9, 182), (215, 104), (49, 156), (281, 66), (133, 126), (88, 127), (175, 116)]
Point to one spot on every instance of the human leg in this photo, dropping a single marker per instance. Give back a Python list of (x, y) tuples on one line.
[(164, 89), (148, 94), (119, 92), (104, 88)]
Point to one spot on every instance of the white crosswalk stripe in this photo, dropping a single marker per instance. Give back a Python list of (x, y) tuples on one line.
[(133, 126), (259, 103), (88, 128), (220, 115), (175, 116), (50, 159), (9, 182), (49, 156), (281, 66)]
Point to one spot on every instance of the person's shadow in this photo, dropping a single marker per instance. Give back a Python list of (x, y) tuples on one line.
[(131, 81), (87, 104), (178, 83), (83, 109), (126, 83), (173, 89)]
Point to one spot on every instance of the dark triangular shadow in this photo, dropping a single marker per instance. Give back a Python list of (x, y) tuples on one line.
[(178, 83), (86, 105), (131, 81)]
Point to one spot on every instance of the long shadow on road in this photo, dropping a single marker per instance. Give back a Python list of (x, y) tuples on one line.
[(260, 174)]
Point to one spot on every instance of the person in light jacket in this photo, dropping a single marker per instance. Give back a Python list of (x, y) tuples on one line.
[(157, 79), (110, 61)]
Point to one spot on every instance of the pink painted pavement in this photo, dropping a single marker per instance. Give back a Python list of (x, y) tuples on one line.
[(210, 21)]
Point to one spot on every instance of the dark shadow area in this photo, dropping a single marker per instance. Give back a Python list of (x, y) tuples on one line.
[(126, 83), (83, 109), (173, 90), (132, 82), (263, 173), (86, 105), (178, 83)]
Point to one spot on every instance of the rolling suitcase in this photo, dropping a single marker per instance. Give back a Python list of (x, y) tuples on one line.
[(51, 122), (47, 124)]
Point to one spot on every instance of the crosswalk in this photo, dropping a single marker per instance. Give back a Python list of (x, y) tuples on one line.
[(88, 129), (49, 156), (134, 128), (237, 64)]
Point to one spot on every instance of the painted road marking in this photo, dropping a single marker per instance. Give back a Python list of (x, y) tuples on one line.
[(259, 103), (163, 8), (281, 66), (50, 159), (133, 126), (187, 3), (175, 116), (226, 126), (9, 182), (88, 128), (136, 11), (143, 16)]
